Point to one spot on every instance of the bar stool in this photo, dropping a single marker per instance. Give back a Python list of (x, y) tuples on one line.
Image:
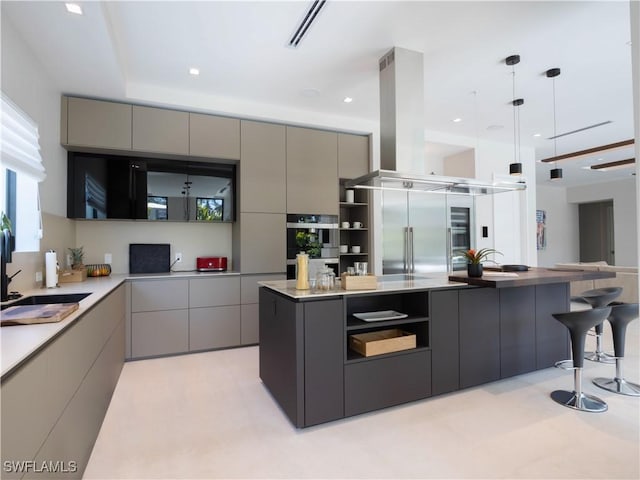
[(621, 315), (600, 297), (579, 324)]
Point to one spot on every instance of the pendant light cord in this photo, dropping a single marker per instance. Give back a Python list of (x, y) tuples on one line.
[(516, 156), (555, 133)]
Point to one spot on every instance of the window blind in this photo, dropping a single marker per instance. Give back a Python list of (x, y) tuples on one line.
[(19, 142)]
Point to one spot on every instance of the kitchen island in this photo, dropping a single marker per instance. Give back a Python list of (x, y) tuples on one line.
[(465, 335)]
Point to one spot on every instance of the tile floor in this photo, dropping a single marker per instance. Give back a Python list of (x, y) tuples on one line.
[(207, 416)]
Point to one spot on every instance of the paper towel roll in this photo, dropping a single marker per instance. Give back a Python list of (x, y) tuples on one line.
[(51, 268)]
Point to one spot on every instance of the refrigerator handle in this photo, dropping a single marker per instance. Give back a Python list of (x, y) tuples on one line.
[(405, 255), (413, 260), (449, 251)]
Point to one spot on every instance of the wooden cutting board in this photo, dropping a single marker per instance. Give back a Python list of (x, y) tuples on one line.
[(30, 314)]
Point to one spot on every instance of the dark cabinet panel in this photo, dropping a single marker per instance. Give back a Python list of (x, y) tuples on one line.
[(517, 331), (383, 382), (323, 361), (479, 336), (445, 350), (552, 338), (281, 353)]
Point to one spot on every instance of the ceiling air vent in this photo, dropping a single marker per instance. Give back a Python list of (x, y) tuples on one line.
[(580, 130), (308, 19)]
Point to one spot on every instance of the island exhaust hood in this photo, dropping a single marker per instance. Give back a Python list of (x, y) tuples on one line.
[(402, 135)]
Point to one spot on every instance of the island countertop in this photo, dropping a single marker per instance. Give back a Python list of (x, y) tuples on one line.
[(534, 276), (386, 283)]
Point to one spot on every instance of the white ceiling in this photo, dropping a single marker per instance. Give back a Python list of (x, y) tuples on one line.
[(119, 49)]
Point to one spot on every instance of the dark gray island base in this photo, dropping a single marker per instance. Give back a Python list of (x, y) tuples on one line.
[(465, 336)]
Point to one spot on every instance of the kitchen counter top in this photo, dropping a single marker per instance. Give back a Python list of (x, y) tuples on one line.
[(386, 283), (20, 342), (179, 274), (535, 276)]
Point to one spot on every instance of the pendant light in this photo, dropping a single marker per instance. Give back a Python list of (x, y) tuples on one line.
[(555, 173), (515, 168)]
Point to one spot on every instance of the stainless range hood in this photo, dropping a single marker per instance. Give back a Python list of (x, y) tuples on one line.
[(402, 135), (390, 180)]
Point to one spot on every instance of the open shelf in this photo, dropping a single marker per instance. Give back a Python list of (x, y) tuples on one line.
[(353, 204), (354, 324), (355, 357)]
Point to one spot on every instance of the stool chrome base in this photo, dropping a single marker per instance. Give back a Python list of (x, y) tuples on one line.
[(600, 357), (618, 385), (582, 402)]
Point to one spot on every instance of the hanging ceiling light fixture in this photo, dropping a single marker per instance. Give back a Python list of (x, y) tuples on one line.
[(555, 173), (515, 168)]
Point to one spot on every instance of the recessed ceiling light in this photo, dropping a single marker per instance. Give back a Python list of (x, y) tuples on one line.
[(456, 120), (537, 135), (73, 8), (347, 100), (495, 127), (194, 71)]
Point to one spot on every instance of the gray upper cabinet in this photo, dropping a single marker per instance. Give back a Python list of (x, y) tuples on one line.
[(353, 155), (263, 242), (214, 137), (312, 171), (263, 168), (95, 123), (157, 130)]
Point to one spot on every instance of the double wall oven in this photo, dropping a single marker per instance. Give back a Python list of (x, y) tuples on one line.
[(316, 235)]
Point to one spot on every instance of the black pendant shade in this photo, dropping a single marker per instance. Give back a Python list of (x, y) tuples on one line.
[(515, 169), (555, 174)]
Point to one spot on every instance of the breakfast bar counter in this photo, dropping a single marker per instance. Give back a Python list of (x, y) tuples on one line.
[(441, 334)]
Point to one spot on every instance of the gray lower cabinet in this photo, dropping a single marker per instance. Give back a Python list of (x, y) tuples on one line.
[(517, 330), (214, 327), (379, 383), (479, 336), (249, 311), (158, 295), (159, 317), (323, 361), (54, 404), (552, 338), (159, 333), (281, 334), (302, 357), (170, 316), (445, 348)]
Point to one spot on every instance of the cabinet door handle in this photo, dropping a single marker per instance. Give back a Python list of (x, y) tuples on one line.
[(406, 250)]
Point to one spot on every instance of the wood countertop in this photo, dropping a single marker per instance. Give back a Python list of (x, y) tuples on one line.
[(534, 276)]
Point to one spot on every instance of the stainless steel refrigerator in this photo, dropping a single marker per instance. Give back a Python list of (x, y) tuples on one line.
[(425, 232)]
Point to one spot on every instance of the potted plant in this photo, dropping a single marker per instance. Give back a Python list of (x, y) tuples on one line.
[(77, 257), (475, 258)]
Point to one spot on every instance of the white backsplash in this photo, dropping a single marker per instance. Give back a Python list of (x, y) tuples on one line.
[(191, 239)]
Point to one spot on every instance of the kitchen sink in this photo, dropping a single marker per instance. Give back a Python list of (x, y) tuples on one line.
[(48, 299)]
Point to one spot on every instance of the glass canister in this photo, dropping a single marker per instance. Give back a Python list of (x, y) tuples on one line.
[(325, 279), (302, 271)]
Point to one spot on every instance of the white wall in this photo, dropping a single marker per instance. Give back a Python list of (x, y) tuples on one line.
[(625, 214), (562, 229), (29, 86), (460, 164)]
